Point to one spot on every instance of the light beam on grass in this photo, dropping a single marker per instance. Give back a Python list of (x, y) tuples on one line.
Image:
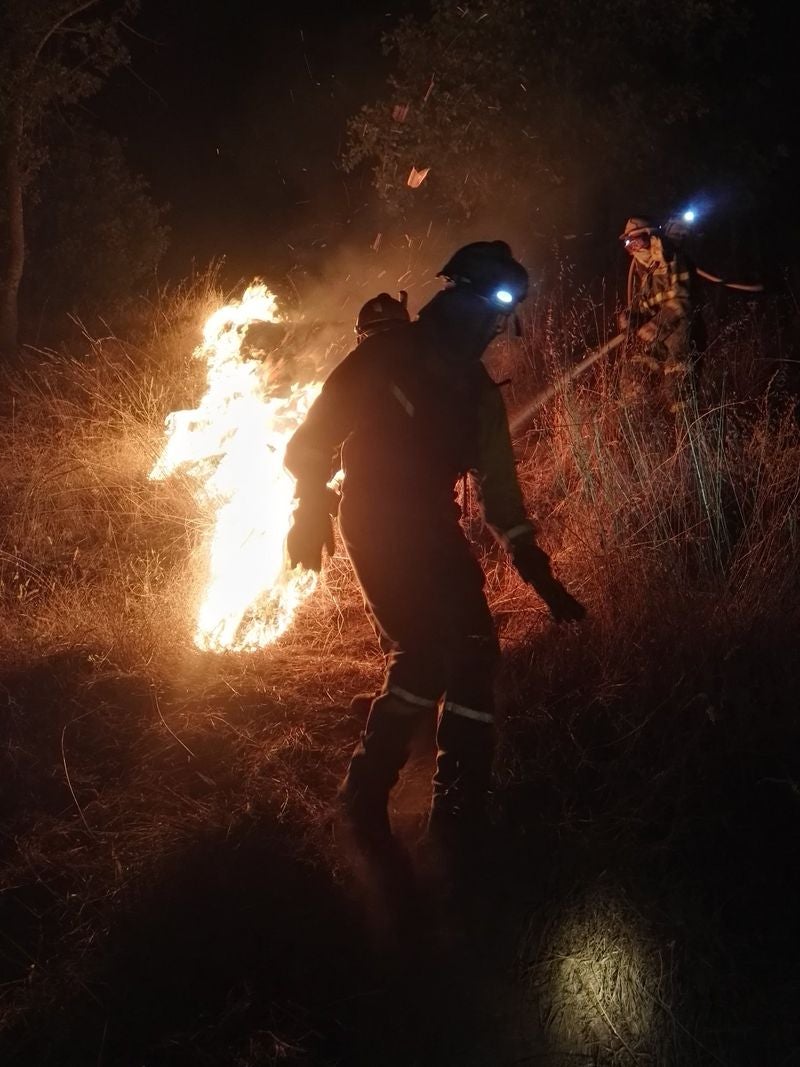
[(602, 981), (231, 447)]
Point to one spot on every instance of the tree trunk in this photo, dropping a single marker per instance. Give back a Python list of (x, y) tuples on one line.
[(9, 287)]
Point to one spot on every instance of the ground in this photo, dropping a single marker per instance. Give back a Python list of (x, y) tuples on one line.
[(177, 891), (182, 897)]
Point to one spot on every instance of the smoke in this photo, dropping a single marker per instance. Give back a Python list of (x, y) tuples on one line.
[(335, 270), (319, 305), (325, 294)]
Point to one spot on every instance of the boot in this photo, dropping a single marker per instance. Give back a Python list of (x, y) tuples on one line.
[(450, 860), (463, 772), (367, 815), (457, 827), (453, 828), (375, 768)]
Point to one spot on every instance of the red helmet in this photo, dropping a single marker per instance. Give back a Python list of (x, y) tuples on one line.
[(382, 312)]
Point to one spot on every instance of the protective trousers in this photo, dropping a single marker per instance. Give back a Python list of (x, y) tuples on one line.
[(425, 589), (673, 357)]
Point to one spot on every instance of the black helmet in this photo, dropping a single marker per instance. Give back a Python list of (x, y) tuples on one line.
[(381, 313), (490, 270)]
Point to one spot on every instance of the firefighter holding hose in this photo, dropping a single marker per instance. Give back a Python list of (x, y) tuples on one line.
[(413, 408), (661, 309)]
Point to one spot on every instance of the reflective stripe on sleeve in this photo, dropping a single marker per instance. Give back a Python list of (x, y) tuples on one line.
[(469, 713), (677, 282), (416, 703), (405, 403), (662, 297), (517, 531)]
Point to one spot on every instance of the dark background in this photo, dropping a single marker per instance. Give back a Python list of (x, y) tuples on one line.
[(236, 116)]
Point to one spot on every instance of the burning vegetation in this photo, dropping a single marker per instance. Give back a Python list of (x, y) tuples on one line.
[(231, 447)]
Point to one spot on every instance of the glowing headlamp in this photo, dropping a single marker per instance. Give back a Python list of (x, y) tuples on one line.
[(689, 215), (638, 242), (503, 296)]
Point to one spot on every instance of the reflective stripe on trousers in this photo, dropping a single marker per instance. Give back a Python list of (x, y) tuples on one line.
[(415, 703), (469, 713)]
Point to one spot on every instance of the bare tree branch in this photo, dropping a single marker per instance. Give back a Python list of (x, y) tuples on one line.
[(59, 23)]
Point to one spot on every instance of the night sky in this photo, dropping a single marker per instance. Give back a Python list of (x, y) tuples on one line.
[(235, 116)]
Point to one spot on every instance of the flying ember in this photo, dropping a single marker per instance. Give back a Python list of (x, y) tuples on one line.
[(231, 447)]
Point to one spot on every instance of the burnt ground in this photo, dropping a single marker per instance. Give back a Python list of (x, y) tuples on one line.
[(175, 890)]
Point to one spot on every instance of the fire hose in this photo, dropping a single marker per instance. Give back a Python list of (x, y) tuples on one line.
[(524, 416), (742, 287)]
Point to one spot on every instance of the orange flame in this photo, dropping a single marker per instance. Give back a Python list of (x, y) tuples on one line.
[(232, 447)]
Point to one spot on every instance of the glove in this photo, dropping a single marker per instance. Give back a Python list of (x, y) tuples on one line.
[(648, 332), (563, 605), (311, 531), (533, 566), (649, 361)]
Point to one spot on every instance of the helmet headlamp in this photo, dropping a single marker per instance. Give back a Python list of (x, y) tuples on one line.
[(637, 243), (490, 271)]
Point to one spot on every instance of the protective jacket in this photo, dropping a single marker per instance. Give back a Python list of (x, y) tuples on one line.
[(410, 423)]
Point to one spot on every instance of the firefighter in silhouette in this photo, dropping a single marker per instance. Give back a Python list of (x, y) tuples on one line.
[(661, 310), (415, 409), (381, 313), (378, 315)]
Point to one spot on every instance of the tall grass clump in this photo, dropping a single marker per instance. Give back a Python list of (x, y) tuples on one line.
[(88, 546)]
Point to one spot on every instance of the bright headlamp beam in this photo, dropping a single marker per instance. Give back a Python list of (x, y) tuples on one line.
[(689, 216), (502, 296)]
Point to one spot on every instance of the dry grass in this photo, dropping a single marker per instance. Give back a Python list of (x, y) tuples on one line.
[(601, 980), (642, 756)]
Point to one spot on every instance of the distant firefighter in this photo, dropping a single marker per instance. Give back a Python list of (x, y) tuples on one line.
[(662, 309), (413, 409)]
